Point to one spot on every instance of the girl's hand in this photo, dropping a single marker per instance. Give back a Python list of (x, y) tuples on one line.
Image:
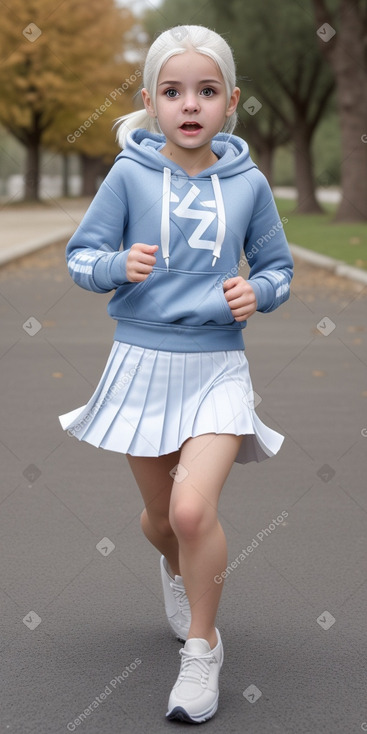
[(240, 297), (140, 261)]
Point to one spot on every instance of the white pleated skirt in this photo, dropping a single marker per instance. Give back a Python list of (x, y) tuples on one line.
[(148, 402)]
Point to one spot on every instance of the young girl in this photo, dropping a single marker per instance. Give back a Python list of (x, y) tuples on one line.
[(168, 231)]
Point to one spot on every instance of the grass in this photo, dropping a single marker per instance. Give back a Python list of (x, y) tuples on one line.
[(347, 242)]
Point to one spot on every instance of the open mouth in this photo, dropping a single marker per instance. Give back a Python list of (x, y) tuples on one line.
[(190, 126)]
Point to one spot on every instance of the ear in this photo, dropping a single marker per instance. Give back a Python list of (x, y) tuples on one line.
[(233, 102), (148, 104)]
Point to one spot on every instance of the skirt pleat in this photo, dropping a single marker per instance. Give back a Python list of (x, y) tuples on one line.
[(148, 423), (172, 425), (148, 402)]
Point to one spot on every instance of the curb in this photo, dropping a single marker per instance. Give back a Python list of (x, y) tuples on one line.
[(338, 267), (12, 253)]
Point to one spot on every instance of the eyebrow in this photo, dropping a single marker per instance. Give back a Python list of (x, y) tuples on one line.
[(202, 81)]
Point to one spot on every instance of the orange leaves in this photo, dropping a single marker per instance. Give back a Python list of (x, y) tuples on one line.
[(59, 62)]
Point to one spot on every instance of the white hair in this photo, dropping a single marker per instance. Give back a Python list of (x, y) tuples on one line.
[(175, 41)]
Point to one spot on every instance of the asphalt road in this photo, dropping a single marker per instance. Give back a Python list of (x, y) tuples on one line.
[(83, 629)]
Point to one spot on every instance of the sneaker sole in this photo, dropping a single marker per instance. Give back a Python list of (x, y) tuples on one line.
[(180, 714), (178, 634)]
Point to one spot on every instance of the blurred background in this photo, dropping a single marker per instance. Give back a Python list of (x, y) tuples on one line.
[(69, 69)]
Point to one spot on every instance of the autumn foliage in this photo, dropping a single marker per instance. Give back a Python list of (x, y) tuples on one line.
[(60, 66)]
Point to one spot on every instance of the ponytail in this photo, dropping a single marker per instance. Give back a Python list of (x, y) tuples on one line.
[(134, 120)]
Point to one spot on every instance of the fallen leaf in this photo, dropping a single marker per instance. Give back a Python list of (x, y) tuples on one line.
[(353, 329)]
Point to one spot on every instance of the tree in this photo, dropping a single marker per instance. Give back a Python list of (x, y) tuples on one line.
[(342, 31), (56, 67), (275, 45), (265, 136), (289, 79), (90, 133)]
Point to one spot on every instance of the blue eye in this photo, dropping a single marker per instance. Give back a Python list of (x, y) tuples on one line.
[(207, 92), (171, 93)]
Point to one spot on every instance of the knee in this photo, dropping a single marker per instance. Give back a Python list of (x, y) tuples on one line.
[(160, 523), (189, 521)]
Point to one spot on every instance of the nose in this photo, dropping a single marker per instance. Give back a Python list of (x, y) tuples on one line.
[(190, 103)]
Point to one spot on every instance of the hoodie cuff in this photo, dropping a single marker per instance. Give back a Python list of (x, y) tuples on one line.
[(110, 270), (260, 286), (118, 268)]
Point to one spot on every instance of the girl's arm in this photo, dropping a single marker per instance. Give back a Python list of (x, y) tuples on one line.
[(267, 250), (93, 257)]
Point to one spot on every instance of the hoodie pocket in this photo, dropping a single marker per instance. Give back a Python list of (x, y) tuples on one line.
[(226, 309), (132, 293), (181, 297)]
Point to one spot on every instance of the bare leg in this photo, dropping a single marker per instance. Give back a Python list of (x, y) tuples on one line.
[(193, 518), (153, 478)]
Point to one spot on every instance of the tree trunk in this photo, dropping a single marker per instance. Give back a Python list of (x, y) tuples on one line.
[(65, 174), (352, 104), (32, 168), (265, 160), (90, 171), (307, 202), (345, 52)]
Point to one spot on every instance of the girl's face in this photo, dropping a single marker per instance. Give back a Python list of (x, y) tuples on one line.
[(191, 102)]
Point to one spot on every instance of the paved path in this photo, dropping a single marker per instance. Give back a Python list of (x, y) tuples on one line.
[(331, 195), (293, 611), (25, 228)]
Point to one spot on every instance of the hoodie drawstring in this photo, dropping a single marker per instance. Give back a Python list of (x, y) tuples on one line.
[(166, 195), (221, 216), (165, 223)]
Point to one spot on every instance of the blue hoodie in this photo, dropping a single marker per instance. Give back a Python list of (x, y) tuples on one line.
[(206, 227)]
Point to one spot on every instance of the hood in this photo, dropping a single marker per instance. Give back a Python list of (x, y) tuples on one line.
[(232, 151), (233, 159)]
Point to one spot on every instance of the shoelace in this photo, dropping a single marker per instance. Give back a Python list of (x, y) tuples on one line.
[(196, 669), (181, 597)]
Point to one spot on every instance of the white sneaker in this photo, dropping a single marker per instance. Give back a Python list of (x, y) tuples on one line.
[(176, 602), (194, 697)]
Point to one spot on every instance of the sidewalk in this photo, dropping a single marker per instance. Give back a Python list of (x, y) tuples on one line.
[(26, 227), (331, 195)]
